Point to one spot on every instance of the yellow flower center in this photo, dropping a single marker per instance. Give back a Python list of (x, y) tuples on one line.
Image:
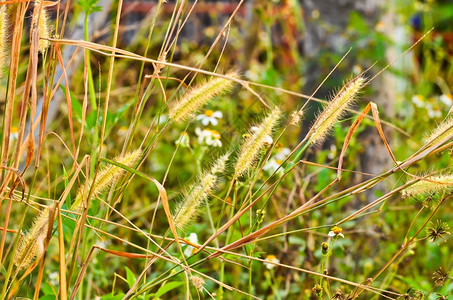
[(271, 257), (279, 162), (337, 230), (14, 129), (208, 113)]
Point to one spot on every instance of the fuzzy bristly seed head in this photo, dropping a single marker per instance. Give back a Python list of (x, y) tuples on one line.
[(197, 282), (256, 141), (188, 208), (3, 34), (296, 117), (335, 109), (104, 178), (43, 27), (429, 187), (443, 132), (32, 244), (200, 95)]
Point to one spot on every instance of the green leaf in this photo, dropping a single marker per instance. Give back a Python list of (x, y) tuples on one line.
[(90, 6), (168, 287), (130, 277)]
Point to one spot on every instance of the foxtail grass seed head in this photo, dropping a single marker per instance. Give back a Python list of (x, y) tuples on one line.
[(188, 208), (200, 95), (335, 109), (32, 244), (442, 132), (104, 179), (296, 117), (197, 282), (255, 141), (43, 28), (3, 35), (434, 185)]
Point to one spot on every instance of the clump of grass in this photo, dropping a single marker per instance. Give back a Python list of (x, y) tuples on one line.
[(255, 142), (200, 95), (188, 209), (335, 109), (434, 185), (104, 178)]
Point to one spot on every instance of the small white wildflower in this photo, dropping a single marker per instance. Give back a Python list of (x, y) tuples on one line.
[(272, 260), (122, 131), (268, 139), (193, 238), (418, 100), (13, 133), (333, 152), (54, 278), (446, 99), (208, 137), (433, 112), (210, 116), (276, 161), (357, 69), (336, 231), (183, 140)]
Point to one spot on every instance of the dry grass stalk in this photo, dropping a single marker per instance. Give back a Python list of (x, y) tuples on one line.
[(434, 185)]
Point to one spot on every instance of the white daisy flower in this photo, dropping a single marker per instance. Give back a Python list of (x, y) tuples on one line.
[(276, 161), (210, 116), (268, 139), (446, 99), (54, 278), (208, 137), (122, 131), (193, 238), (418, 100), (272, 259), (433, 112), (336, 231), (13, 133)]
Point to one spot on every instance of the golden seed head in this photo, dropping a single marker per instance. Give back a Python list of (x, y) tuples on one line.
[(3, 34), (256, 140), (200, 95), (197, 282), (43, 27), (188, 208), (442, 132), (104, 179), (430, 185), (32, 244), (335, 109)]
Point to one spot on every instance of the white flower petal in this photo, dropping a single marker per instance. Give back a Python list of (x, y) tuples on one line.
[(205, 121), (217, 114), (331, 233), (342, 235), (214, 121)]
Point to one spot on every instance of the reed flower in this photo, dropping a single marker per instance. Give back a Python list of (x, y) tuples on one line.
[(104, 179), (32, 244), (434, 185), (200, 95), (188, 208), (255, 141), (197, 282), (335, 109)]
